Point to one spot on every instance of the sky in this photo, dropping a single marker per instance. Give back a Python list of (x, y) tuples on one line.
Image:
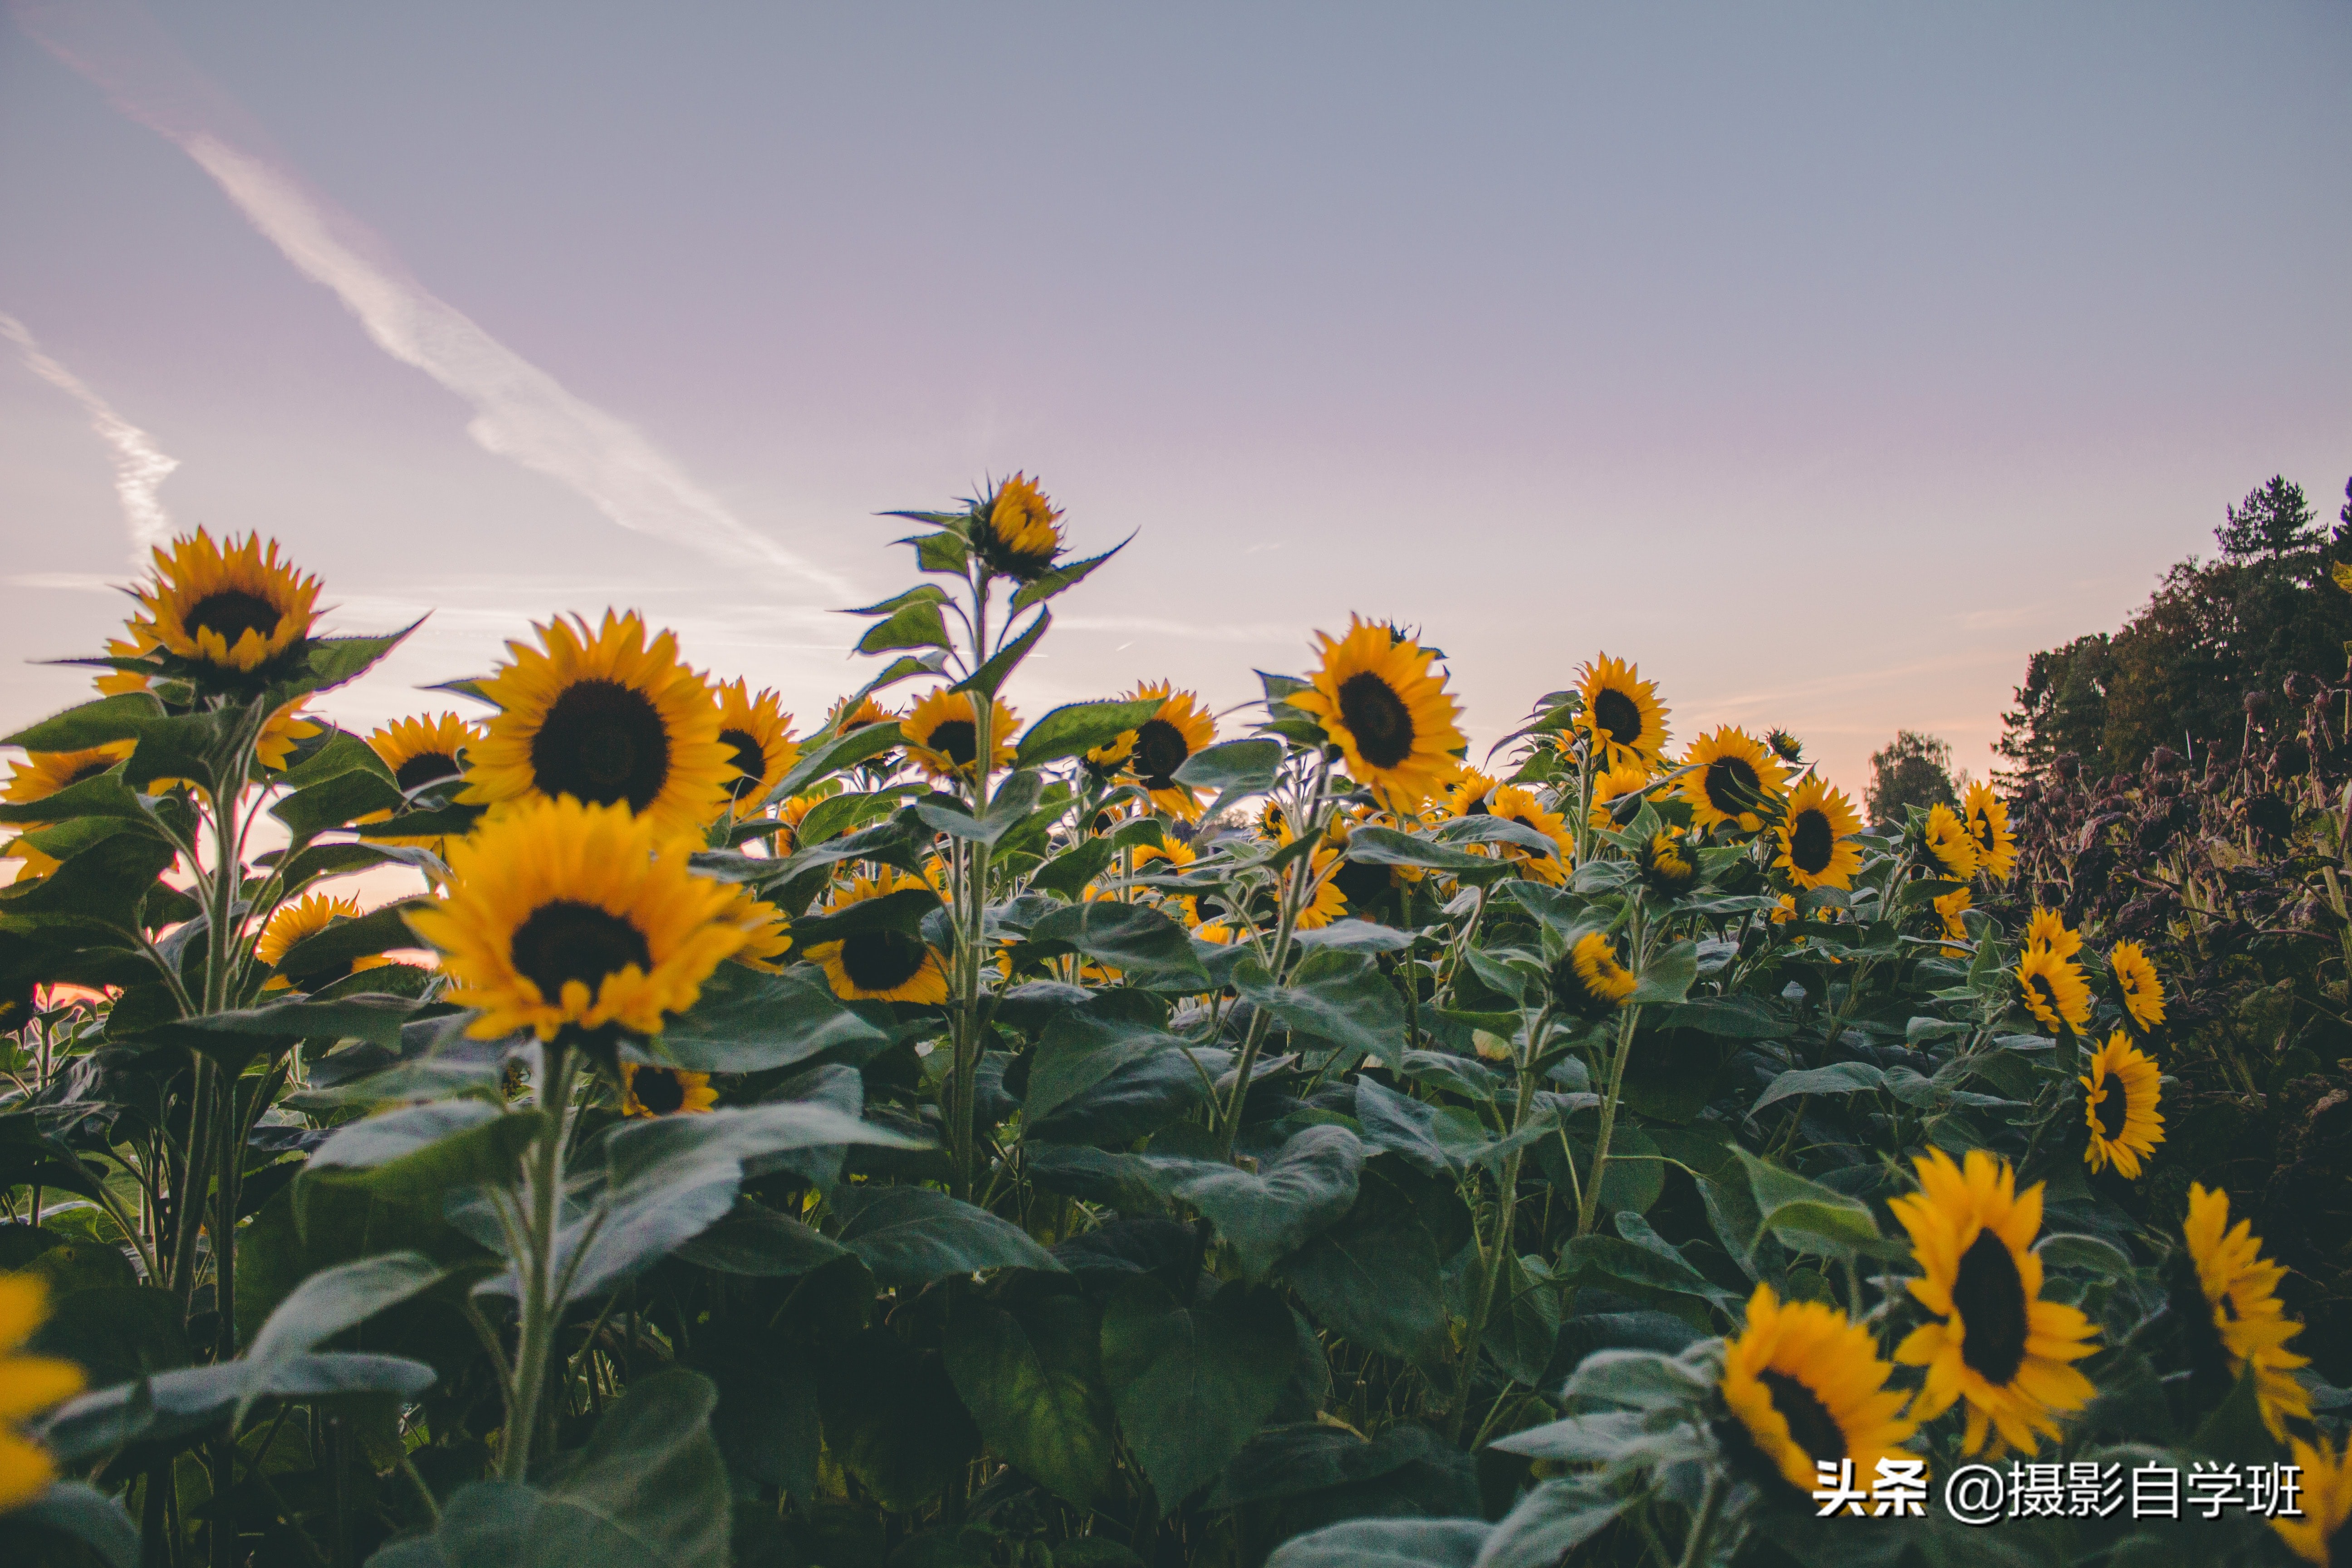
[(1825, 360)]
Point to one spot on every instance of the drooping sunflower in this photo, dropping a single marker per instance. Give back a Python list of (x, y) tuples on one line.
[(2045, 932), (43, 773), (880, 965), (607, 719), (1391, 718), (292, 924), (1550, 866), (649, 1089), (1942, 850), (757, 733), (1817, 847), (1949, 908), (2325, 1503), (1785, 746), (2119, 1100), (1017, 530), (1806, 1386), (1732, 773), (425, 751), (2055, 989), (2241, 1321), (1611, 785), (2136, 978), (564, 914), (1668, 863), (944, 734), (1588, 978), (1986, 816), (1994, 1342), (283, 731), (1622, 717), (28, 1385), (1161, 744), (226, 605)]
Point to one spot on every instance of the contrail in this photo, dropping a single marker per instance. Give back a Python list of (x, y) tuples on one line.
[(520, 412), (138, 468)]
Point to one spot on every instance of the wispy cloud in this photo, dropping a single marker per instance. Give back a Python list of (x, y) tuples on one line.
[(138, 468)]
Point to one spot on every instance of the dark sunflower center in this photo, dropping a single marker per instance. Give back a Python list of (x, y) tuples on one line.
[(1731, 784), (1478, 808), (956, 741), (1811, 1425), (1982, 827), (1160, 751), (86, 771), (751, 761), (658, 1089), (1811, 842), (601, 742), (231, 612), (2111, 1112), (565, 940), (1361, 885), (881, 960), (1989, 1297), (425, 768), (1378, 718), (2047, 991), (1619, 716)]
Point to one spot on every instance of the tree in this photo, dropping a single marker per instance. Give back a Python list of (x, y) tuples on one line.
[(1913, 769), (2062, 706), (2273, 519)]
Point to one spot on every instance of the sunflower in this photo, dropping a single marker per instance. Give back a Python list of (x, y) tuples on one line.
[(226, 605), (1942, 849), (1994, 1342), (1613, 784), (43, 773), (1390, 716), (1785, 909), (1167, 859), (2045, 932), (1949, 908), (137, 645), (880, 965), (1732, 773), (756, 732), (2326, 1501), (1589, 979), (560, 913), (2240, 1320), (1622, 715), (944, 734), (1272, 823), (1785, 746), (767, 933), (1807, 1387), (293, 923), (841, 718), (2136, 978), (1986, 818), (1817, 847), (1328, 901), (788, 816), (28, 1385), (422, 752), (606, 719), (280, 734), (1105, 762), (650, 1090), (1549, 866), (1668, 863), (1160, 745), (1467, 795), (1017, 530), (2119, 1101), (2055, 989)]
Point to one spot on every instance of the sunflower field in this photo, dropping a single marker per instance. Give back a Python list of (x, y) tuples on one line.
[(1129, 1134)]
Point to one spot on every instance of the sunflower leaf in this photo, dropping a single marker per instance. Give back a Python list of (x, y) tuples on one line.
[(1838, 1078), (923, 593), (1387, 847), (901, 911), (989, 677), (745, 1021), (1336, 995), (841, 751), (911, 625), (1062, 578), (1069, 872), (335, 801), (1234, 767), (1080, 727), (117, 718), (1152, 950), (334, 661)]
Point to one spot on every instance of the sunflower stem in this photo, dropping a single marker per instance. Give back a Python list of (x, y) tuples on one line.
[(1589, 1204), (1498, 1251), (1702, 1530), (969, 893), (541, 1313), (1298, 879)]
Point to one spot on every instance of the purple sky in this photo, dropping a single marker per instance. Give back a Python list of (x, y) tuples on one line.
[(1827, 361)]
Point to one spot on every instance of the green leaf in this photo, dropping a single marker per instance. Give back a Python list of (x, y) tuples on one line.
[(333, 662), (118, 718), (1386, 1543), (1069, 872), (79, 1512), (1637, 1271), (1079, 1050), (840, 753), (1063, 577), (1033, 1379), (308, 812), (901, 911), (922, 594), (116, 1333), (337, 1299), (989, 677), (745, 1021), (1809, 1217), (1838, 1078), (1192, 1382), (233, 1039), (915, 624), (104, 796), (1335, 996), (1079, 728), (2234, 1431), (344, 1223), (1403, 1125), (1266, 1216), (839, 814), (429, 1150), (334, 948), (893, 1420), (1373, 1279), (1668, 975), (1148, 948), (1243, 766), (1007, 809), (1387, 847), (912, 1235), (1552, 1522), (760, 1243)]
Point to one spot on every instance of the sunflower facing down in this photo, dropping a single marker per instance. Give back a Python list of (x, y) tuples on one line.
[(1160, 745), (1817, 847), (1622, 717), (28, 1385), (1589, 979), (1994, 1342), (563, 914), (294, 923), (650, 1090), (43, 773), (1732, 773), (2119, 1101), (1986, 817), (1668, 863), (1329, 901), (880, 965), (1807, 1387), (1950, 909), (2053, 989), (607, 719), (225, 605), (1942, 850), (944, 734), (2045, 932), (1550, 866), (2143, 993), (1391, 718), (756, 732), (1017, 530), (2239, 1321), (2326, 1500), (1611, 785)]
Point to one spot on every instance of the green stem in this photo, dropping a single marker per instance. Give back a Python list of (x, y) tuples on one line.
[(1590, 1201), (542, 1314), (1702, 1530), (1298, 881), (1498, 1251)]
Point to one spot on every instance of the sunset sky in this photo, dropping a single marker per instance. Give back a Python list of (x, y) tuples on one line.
[(1826, 359)]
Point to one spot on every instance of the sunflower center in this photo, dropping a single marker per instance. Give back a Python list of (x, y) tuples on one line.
[(881, 960), (90, 770), (2047, 993), (231, 613), (565, 940), (1811, 1425), (956, 741), (1361, 884), (2111, 1111), (658, 1089), (751, 761), (425, 768), (601, 742), (1731, 784), (1378, 718), (1619, 715), (1988, 1297), (1160, 751), (1479, 807), (1811, 842)]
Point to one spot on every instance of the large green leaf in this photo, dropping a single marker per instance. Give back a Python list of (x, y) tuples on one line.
[(1387, 847), (989, 677), (1150, 950), (118, 718), (1080, 727), (1192, 1382), (893, 1420), (1063, 577), (841, 751), (1810, 1218), (1333, 996), (1373, 1279), (1079, 1050), (333, 802), (428, 1150), (913, 624), (1265, 1215), (1838, 1078), (1031, 1377), (74, 1511), (176, 1408), (1234, 766), (1386, 1543), (745, 1021), (912, 1235), (342, 1224), (116, 1333), (337, 1299), (1551, 1522), (1402, 1124)]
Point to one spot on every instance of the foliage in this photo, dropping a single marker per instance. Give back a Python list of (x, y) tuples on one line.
[(1912, 770)]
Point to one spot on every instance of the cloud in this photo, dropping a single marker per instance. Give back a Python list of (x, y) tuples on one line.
[(138, 469)]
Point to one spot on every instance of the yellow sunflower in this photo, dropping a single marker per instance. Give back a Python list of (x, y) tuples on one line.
[(28, 1385), (1785, 746), (605, 719), (944, 734), (1467, 795), (226, 605), (767, 933), (1817, 847), (880, 965), (1274, 822), (1732, 773), (1107, 761), (1160, 744), (1942, 850), (1550, 866), (650, 1090), (2119, 1101), (1018, 531), (2241, 1307), (1949, 908), (1986, 817), (1622, 717), (280, 735), (2136, 978), (2055, 989), (1391, 718), (294, 922), (1613, 784), (1329, 901), (1807, 1386), (1588, 978), (788, 821), (1785, 909), (1668, 863), (1995, 1344), (32, 864), (137, 645), (841, 718), (2045, 932), (425, 751), (560, 913), (43, 773), (2326, 1501), (756, 732)]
